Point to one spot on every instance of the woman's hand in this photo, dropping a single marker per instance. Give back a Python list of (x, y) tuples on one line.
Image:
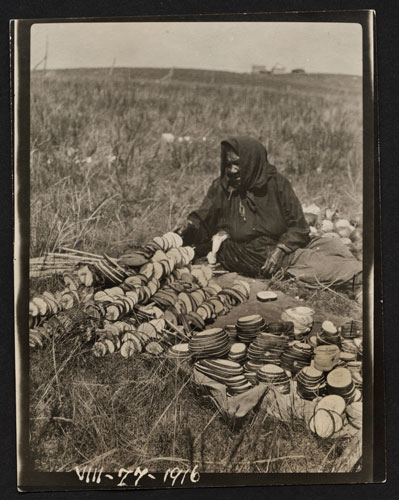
[(273, 262)]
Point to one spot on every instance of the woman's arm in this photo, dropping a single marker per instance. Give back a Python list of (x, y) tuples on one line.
[(297, 234), (207, 215), (201, 223)]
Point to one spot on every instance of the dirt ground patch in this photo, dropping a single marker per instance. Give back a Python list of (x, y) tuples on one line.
[(271, 311)]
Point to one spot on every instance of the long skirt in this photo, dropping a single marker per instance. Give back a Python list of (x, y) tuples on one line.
[(325, 261)]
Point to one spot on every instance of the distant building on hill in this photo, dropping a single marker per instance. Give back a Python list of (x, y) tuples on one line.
[(298, 70), (278, 69), (259, 68)]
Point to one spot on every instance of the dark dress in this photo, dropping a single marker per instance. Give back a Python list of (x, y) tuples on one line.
[(263, 213)]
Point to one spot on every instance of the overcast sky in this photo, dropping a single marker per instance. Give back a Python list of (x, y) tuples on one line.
[(315, 47)]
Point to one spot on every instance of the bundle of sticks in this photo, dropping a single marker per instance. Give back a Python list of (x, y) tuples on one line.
[(64, 260)]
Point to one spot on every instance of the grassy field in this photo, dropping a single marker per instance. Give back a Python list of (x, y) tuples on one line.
[(102, 180)]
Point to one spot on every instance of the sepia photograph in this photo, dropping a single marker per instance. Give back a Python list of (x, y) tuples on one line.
[(193, 211)]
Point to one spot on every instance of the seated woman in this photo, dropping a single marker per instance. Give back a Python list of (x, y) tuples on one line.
[(257, 209)]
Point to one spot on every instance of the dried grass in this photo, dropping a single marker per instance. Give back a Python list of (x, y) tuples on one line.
[(101, 180)]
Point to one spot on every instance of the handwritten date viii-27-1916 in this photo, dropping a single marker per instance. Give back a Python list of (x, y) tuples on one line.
[(132, 477)]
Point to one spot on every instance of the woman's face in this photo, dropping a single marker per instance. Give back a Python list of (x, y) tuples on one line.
[(233, 168)]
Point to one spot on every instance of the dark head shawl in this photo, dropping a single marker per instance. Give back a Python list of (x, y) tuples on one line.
[(255, 170)]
